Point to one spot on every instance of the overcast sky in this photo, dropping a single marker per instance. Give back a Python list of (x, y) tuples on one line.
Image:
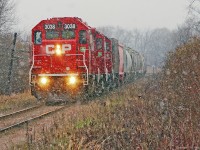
[(130, 14)]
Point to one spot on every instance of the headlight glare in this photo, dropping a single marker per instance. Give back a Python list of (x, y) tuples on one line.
[(43, 81), (72, 80), (58, 50)]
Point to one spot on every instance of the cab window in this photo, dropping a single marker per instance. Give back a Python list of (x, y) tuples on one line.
[(82, 37), (107, 46), (99, 43), (38, 37), (68, 34), (52, 35)]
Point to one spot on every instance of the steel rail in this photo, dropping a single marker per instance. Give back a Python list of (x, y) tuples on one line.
[(19, 112), (29, 120)]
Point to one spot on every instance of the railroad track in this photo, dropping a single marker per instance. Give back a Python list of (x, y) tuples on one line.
[(19, 112), (26, 119)]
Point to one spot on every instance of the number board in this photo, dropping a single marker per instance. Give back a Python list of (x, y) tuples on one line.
[(66, 26), (49, 26), (69, 26)]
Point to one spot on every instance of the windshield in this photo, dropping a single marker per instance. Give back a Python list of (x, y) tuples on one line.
[(68, 34), (52, 35)]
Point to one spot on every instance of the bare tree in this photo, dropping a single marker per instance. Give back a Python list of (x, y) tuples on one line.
[(7, 19), (6, 15), (153, 44), (193, 21), (194, 7)]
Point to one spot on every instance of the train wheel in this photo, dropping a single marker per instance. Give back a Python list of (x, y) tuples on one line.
[(115, 83), (92, 88), (41, 95), (101, 87), (108, 86)]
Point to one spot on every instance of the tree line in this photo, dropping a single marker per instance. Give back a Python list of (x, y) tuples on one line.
[(20, 66)]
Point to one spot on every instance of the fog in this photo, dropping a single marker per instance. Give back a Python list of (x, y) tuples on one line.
[(129, 14)]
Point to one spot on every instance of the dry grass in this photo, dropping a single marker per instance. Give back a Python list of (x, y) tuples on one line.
[(123, 120), (177, 95), (16, 101)]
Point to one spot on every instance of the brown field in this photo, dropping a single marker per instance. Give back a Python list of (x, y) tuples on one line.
[(160, 112)]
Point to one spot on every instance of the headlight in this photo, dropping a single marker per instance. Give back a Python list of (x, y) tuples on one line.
[(58, 50), (72, 80), (43, 81)]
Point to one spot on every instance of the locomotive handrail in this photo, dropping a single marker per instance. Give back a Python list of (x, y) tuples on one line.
[(33, 62), (31, 69), (83, 64)]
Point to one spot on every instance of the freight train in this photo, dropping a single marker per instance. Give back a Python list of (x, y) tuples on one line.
[(70, 57)]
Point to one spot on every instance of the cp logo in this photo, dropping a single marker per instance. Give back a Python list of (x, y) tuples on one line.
[(51, 49)]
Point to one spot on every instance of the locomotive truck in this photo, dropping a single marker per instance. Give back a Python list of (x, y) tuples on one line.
[(69, 58)]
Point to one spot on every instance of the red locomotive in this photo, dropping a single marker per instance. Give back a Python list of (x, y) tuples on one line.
[(70, 57)]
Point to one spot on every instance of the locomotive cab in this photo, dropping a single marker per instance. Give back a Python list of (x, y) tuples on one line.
[(60, 56)]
